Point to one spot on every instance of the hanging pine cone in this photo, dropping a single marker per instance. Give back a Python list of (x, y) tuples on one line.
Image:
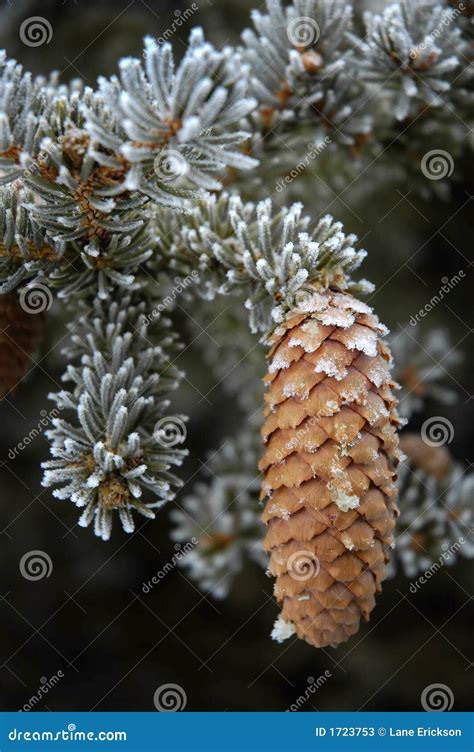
[(20, 335), (330, 450)]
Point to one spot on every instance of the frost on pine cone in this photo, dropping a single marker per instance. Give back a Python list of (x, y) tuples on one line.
[(331, 446)]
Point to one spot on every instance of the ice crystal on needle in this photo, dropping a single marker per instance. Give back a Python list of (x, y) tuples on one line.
[(179, 125), (303, 68), (109, 454), (411, 50), (282, 259), (95, 162), (276, 257)]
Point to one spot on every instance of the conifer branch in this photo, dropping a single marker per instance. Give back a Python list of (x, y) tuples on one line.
[(111, 451), (104, 189)]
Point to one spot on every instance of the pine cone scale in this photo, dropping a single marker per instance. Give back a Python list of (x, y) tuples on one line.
[(330, 451)]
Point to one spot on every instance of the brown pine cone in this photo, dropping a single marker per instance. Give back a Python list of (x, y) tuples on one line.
[(435, 460), (20, 335), (330, 448)]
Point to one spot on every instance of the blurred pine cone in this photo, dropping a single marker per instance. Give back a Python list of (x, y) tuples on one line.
[(435, 460), (20, 335), (330, 448)]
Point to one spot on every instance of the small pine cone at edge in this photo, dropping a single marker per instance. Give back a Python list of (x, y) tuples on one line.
[(21, 334), (331, 446)]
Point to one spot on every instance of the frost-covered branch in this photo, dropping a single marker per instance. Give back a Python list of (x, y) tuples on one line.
[(114, 446), (436, 507), (274, 257)]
